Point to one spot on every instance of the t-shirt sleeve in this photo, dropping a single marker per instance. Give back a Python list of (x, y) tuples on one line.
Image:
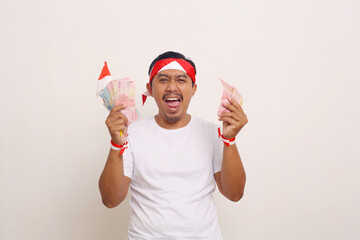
[(128, 161), (218, 149)]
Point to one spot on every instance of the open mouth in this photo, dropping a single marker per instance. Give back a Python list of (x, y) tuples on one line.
[(173, 103)]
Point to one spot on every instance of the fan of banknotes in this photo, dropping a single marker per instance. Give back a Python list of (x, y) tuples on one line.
[(118, 92)]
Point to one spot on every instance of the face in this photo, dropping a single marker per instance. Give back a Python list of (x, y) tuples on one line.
[(172, 91)]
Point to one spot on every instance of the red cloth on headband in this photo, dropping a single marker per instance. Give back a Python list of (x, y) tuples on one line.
[(186, 66)]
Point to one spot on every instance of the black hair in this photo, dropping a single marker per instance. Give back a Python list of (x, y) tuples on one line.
[(171, 54)]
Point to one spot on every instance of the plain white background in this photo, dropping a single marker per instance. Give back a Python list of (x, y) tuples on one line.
[(296, 64)]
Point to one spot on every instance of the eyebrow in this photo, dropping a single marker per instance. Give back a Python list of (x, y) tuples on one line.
[(177, 76)]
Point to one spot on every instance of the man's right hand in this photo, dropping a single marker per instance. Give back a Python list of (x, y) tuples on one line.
[(116, 122)]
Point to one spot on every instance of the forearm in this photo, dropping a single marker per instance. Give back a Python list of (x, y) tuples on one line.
[(113, 184), (233, 175)]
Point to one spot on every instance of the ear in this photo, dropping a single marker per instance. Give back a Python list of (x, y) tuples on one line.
[(194, 89), (149, 88)]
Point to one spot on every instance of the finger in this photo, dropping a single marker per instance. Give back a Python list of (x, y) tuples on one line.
[(126, 119), (233, 115), (234, 105), (236, 123), (234, 102), (118, 108), (111, 122), (230, 120), (118, 115), (118, 123), (117, 129), (123, 129), (114, 130), (122, 116), (229, 106), (238, 106)]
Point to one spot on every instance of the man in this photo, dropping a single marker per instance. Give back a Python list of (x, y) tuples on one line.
[(173, 160)]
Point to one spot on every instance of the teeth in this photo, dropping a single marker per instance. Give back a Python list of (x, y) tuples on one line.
[(172, 99)]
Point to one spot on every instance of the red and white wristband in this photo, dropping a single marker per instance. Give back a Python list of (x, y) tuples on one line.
[(227, 141), (118, 147)]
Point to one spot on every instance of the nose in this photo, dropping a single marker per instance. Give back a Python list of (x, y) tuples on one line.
[(172, 86)]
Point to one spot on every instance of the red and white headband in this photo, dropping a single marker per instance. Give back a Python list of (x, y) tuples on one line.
[(171, 63)]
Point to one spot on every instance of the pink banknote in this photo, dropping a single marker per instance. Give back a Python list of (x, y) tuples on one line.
[(131, 113), (229, 92), (126, 94)]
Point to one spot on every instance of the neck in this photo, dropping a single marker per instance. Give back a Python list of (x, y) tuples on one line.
[(162, 122)]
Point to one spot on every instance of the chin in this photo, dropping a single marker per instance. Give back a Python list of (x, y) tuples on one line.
[(172, 119)]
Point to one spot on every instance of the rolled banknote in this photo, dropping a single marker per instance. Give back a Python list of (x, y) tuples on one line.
[(118, 92), (229, 92)]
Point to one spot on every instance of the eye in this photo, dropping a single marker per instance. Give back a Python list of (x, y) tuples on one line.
[(163, 79), (182, 80)]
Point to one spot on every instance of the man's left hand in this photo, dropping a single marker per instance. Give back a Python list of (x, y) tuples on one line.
[(234, 120)]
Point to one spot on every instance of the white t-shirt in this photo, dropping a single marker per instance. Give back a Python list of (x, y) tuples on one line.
[(172, 180)]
